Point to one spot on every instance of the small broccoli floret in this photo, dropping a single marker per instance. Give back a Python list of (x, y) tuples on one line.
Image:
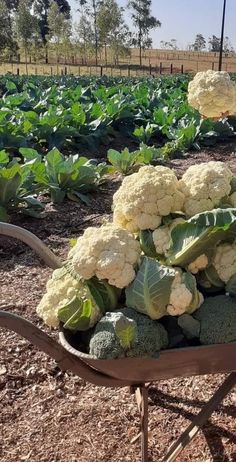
[(143, 336), (217, 317)]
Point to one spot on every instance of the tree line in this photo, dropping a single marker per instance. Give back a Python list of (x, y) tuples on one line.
[(37, 26)]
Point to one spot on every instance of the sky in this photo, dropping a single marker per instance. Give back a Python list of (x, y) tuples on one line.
[(183, 19)]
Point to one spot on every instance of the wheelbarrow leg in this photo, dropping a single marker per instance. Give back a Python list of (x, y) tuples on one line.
[(201, 418), (142, 401)]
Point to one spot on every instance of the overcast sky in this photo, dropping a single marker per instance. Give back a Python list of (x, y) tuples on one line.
[(183, 19)]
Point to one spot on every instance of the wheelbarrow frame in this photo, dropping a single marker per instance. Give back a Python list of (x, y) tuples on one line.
[(69, 360)]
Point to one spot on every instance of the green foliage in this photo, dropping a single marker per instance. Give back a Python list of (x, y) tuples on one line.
[(104, 295), (200, 234), (149, 293)]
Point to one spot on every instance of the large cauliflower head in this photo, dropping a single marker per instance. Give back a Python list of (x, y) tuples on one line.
[(224, 261), (204, 186), (145, 197), (213, 94), (61, 288), (107, 252)]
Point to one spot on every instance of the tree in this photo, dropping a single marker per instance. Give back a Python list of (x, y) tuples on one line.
[(59, 28), (228, 47), (84, 37), (214, 43), (26, 27), (41, 10), (199, 43), (5, 27), (90, 9), (112, 29), (172, 45), (143, 22)]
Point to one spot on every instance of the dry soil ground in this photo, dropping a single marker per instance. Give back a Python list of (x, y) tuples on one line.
[(50, 416)]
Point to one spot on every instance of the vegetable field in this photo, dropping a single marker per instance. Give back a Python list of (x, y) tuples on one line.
[(67, 145)]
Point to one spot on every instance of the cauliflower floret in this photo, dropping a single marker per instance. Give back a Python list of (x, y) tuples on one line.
[(181, 298), (109, 253), (61, 288), (224, 261), (145, 197), (204, 186), (213, 94), (198, 264)]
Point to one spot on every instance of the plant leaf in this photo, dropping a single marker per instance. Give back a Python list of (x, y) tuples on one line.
[(149, 293), (126, 331)]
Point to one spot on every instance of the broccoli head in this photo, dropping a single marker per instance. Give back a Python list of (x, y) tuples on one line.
[(126, 333), (214, 322)]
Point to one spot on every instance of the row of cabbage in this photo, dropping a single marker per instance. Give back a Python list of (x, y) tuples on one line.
[(85, 113)]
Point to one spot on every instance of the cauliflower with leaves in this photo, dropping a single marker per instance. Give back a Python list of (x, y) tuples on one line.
[(62, 287), (109, 253), (127, 333), (213, 94), (145, 197), (204, 186), (184, 296)]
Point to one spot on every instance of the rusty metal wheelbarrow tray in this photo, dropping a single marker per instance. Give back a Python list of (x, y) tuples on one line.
[(132, 372)]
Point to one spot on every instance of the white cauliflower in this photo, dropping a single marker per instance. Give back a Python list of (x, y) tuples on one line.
[(204, 186), (162, 237), (61, 288), (145, 197), (107, 252), (213, 94), (224, 261), (198, 264), (182, 299)]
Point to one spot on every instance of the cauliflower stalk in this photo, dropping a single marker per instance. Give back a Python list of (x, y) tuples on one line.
[(213, 94), (204, 186), (145, 197), (109, 253)]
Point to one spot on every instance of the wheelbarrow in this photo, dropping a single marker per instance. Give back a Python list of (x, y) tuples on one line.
[(135, 373)]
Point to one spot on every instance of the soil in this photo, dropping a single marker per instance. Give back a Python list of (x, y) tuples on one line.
[(50, 416)]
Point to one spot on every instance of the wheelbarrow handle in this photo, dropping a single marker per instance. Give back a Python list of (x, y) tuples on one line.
[(66, 361), (32, 241)]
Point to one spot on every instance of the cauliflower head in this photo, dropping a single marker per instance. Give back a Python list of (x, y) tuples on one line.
[(224, 261), (204, 186), (198, 264), (108, 252), (184, 298), (213, 94), (145, 197), (61, 288)]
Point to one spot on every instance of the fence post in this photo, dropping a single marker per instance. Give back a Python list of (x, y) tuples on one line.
[(213, 65), (128, 71), (150, 69), (171, 68), (79, 70), (18, 71), (51, 71), (65, 70), (101, 71), (182, 68), (160, 68)]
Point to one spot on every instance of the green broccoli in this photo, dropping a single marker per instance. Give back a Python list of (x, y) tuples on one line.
[(216, 318), (127, 333)]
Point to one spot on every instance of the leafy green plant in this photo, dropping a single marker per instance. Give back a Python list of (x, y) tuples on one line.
[(17, 188), (124, 161), (144, 134)]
